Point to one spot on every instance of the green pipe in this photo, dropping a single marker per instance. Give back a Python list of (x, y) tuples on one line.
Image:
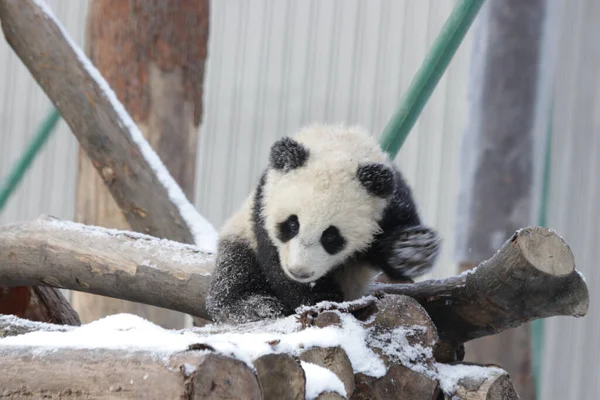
[(428, 75), (15, 176)]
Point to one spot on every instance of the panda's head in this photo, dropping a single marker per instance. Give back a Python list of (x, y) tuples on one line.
[(325, 192)]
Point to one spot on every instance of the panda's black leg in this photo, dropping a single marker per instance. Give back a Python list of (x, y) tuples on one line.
[(238, 290), (410, 252)]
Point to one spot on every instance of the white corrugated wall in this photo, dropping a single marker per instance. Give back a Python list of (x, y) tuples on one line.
[(571, 350), (49, 186), (273, 65), (276, 65)]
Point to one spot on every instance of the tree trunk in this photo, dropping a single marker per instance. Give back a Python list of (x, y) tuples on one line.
[(152, 53), (498, 157)]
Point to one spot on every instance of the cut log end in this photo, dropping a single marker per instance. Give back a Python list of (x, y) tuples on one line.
[(545, 250)]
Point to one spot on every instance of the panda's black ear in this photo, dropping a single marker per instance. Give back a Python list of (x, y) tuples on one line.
[(378, 179), (287, 154)]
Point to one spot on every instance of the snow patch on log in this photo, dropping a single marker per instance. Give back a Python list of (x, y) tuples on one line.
[(449, 376), (320, 380), (180, 253), (205, 235)]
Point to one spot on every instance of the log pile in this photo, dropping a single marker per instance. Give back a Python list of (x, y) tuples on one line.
[(398, 331), (416, 329), (411, 335)]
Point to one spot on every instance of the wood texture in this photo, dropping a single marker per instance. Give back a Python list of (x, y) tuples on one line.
[(146, 270), (152, 53), (497, 385), (281, 377), (531, 276), (42, 47), (71, 373)]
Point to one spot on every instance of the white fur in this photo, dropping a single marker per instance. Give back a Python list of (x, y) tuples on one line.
[(324, 191), (239, 227)]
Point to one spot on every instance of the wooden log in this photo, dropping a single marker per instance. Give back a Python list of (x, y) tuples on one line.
[(281, 377), (334, 359), (399, 382), (100, 123), (104, 374), (494, 384), (37, 303), (152, 53), (532, 276), (11, 325), (128, 266)]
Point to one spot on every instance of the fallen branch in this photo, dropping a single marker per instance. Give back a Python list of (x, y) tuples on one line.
[(124, 265), (532, 276), (148, 196)]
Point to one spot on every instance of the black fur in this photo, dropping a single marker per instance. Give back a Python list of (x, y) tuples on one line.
[(249, 286), (332, 241), (378, 179), (287, 154), (405, 248)]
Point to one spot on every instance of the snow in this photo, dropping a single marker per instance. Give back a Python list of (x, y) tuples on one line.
[(449, 375), (395, 345), (320, 380), (205, 236), (174, 251), (128, 333)]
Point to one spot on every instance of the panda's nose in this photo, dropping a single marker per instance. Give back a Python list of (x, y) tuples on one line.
[(299, 273)]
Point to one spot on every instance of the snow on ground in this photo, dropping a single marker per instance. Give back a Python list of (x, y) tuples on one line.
[(205, 236)]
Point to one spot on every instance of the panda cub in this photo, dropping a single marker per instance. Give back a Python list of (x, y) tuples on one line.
[(330, 212)]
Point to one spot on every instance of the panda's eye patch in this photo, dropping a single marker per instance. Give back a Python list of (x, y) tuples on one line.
[(332, 241), (289, 228)]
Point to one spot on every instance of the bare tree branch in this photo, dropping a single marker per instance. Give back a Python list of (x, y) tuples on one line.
[(532, 276), (145, 191)]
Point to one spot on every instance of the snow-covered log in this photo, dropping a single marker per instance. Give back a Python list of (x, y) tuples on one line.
[(375, 348), (532, 276), (107, 373), (147, 194), (119, 264)]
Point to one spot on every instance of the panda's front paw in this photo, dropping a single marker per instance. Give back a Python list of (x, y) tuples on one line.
[(414, 251), (248, 309)]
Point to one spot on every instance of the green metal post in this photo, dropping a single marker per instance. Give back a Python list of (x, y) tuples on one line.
[(8, 186), (428, 75), (537, 326)]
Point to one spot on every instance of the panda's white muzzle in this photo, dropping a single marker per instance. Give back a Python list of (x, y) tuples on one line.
[(304, 263)]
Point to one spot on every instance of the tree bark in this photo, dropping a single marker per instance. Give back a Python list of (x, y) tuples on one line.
[(532, 276), (68, 373), (500, 154), (102, 127), (94, 260), (496, 385), (152, 53)]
